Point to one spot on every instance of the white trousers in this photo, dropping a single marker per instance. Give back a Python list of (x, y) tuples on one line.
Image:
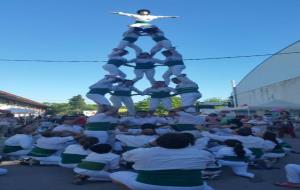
[(114, 70), (173, 70), (189, 99), (98, 99), (126, 100), (129, 180), (94, 175), (239, 168), (293, 173), (50, 160), (160, 45), (123, 44), (139, 74), (166, 103), (102, 136)]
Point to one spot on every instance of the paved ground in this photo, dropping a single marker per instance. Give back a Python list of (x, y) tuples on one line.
[(56, 178)]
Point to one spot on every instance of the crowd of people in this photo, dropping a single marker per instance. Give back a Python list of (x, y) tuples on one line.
[(146, 151)]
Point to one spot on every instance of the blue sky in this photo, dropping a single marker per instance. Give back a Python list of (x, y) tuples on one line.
[(85, 30)]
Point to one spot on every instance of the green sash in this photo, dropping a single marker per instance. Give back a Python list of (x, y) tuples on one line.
[(183, 127), (67, 158), (91, 165), (101, 91), (121, 93), (148, 65), (159, 38), (9, 149), (235, 159), (99, 126), (41, 152), (176, 178), (174, 62), (257, 152), (161, 94), (130, 39), (116, 62), (141, 22), (187, 90), (278, 150), (285, 145)]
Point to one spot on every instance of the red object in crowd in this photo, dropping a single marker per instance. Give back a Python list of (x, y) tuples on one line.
[(80, 121)]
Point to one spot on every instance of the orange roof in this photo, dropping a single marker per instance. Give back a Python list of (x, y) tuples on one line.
[(13, 97)]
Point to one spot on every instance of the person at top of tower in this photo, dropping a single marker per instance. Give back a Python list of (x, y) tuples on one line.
[(143, 18), (174, 62), (129, 38), (144, 64), (116, 60)]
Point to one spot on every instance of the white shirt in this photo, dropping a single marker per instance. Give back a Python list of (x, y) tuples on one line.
[(186, 118), (143, 120), (76, 149), (136, 141), (22, 140), (102, 117), (110, 159), (103, 83), (53, 143), (247, 141), (143, 18), (70, 128), (158, 158)]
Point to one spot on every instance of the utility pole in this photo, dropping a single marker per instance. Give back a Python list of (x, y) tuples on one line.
[(235, 101)]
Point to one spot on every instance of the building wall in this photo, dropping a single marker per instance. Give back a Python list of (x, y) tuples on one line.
[(7, 104), (287, 90), (275, 69)]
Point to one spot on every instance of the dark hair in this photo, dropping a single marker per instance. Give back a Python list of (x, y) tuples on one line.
[(271, 137), (237, 147), (191, 138), (244, 131), (173, 141), (143, 10), (148, 126), (101, 148), (87, 142)]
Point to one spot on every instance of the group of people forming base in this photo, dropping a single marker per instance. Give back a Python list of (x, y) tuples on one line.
[(148, 152), (120, 88)]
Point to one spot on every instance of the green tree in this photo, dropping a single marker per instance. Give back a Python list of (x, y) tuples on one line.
[(77, 104), (215, 99), (58, 108)]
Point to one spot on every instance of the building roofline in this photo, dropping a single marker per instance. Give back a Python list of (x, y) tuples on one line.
[(264, 61), (10, 96)]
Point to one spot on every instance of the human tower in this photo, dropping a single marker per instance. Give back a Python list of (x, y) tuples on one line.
[(145, 63)]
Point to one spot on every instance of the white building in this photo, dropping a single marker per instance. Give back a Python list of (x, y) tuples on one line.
[(20, 106), (275, 82)]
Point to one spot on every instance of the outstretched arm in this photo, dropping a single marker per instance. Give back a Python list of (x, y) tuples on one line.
[(157, 61), (166, 16), (125, 14)]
